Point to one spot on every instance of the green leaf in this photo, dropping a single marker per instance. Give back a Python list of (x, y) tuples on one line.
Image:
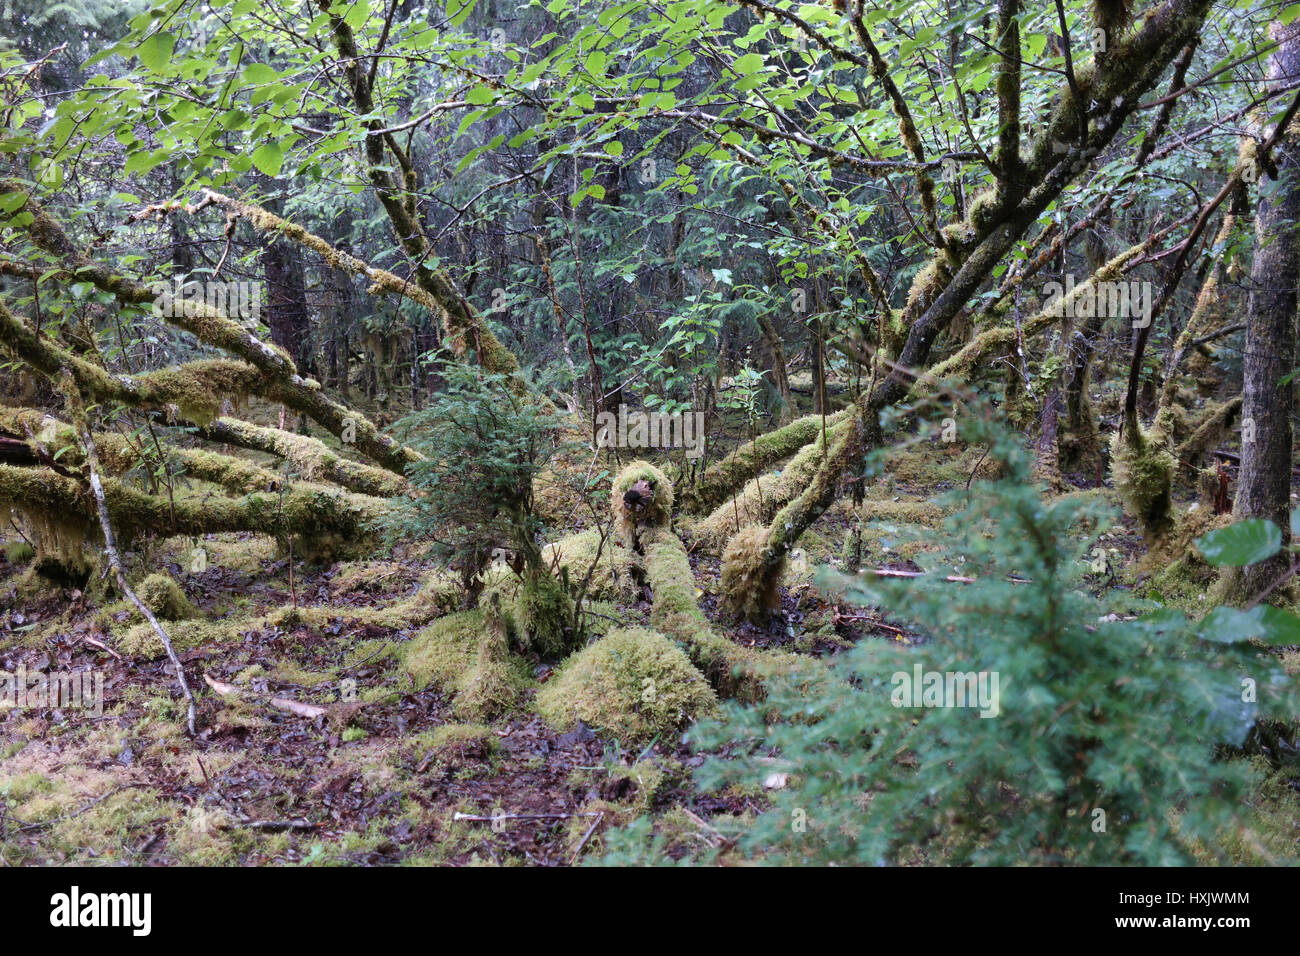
[(255, 74), (156, 50), (1242, 543), (1227, 625), (749, 63), (458, 11), (269, 157), (480, 95)]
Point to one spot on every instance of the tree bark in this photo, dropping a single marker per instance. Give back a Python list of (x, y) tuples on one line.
[(1264, 484)]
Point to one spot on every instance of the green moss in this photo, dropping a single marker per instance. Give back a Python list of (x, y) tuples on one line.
[(491, 688), (162, 595), (656, 513), (731, 669), (645, 780), (463, 738), (19, 552), (722, 478), (140, 641), (462, 655), (201, 390), (1143, 469), (441, 653), (612, 579), (747, 591), (543, 610), (763, 497), (633, 684), (310, 458)]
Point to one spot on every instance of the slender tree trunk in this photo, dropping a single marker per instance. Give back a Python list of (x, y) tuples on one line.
[(1264, 485)]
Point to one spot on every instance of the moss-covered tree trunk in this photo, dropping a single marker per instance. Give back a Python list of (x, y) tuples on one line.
[(1028, 181), (1264, 485)]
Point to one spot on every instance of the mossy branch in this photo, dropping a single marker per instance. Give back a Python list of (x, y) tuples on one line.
[(313, 459), (279, 378), (48, 436), (724, 477)]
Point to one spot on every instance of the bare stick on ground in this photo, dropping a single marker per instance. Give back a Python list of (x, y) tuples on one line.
[(110, 544)]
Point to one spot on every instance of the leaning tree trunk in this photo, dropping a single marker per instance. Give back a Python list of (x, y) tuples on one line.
[(1264, 485), (968, 252)]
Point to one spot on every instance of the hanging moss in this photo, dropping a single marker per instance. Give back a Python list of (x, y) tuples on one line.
[(633, 684), (747, 591), (1212, 427), (201, 390), (1143, 469)]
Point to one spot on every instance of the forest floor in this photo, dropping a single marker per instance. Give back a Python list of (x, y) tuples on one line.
[(383, 772)]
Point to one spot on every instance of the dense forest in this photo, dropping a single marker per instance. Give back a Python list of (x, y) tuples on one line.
[(649, 432)]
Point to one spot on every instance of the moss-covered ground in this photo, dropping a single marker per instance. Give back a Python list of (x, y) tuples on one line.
[(442, 736)]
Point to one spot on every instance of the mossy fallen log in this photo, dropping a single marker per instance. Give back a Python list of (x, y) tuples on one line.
[(734, 671), (332, 521), (763, 497), (723, 477)]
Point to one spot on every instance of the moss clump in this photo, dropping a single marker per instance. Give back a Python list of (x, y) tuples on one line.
[(612, 579), (162, 594), (370, 578), (748, 591), (543, 612), (19, 552), (629, 514), (444, 651), (141, 641), (460, 736), (633, 684), (457, 742), (1143, 469), (490, 689), (462, 654)]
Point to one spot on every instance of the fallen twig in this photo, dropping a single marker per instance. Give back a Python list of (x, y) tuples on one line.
[(585, 837), (310, 711), (478, 818)]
